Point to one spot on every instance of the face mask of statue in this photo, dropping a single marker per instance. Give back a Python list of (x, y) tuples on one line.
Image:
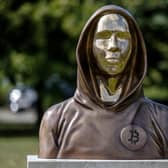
[(112, 44)]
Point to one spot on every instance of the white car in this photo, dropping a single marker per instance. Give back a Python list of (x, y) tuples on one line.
[(22, 98)]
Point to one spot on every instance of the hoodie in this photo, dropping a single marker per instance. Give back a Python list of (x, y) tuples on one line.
[(85, 127)]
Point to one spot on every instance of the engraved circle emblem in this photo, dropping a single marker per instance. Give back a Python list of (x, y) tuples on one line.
[(133, 137)]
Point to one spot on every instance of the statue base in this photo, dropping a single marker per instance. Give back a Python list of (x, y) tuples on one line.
[(34, 162)]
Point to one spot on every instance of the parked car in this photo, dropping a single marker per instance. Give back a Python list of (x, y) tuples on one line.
[(22, 98)]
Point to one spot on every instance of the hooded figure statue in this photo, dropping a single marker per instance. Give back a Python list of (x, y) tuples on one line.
[(108, 117)]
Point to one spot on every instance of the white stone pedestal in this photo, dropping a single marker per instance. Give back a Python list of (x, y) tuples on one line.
[(34, 162)]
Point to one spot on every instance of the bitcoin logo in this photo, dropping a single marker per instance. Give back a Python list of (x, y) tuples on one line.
[(133, 137)]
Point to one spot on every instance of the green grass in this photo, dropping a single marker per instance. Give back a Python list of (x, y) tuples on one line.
[(14, 150)]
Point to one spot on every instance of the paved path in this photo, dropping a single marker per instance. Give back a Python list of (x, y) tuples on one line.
[(25, 117)]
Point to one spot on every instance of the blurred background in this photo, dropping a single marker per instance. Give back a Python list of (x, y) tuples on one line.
[(38, 65)]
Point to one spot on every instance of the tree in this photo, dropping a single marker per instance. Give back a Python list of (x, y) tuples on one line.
[(38, 41)]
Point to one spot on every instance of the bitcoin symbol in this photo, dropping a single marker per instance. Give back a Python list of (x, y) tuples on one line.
[(134, 136)]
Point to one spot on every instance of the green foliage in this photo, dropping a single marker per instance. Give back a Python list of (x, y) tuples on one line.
[(39, 38), (14, 150)]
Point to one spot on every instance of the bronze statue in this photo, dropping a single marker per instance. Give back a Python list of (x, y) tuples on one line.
[(108, 117)]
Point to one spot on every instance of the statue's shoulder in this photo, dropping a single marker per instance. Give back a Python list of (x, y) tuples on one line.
[(53, 114), (159, 118), (156, 107), (158, 112)]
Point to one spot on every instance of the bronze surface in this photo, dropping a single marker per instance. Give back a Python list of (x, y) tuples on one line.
[(108, 117)]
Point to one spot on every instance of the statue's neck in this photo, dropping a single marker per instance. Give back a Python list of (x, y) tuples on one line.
[(110, 89)]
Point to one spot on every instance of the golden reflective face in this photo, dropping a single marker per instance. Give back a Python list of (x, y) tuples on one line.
[(112, 44)]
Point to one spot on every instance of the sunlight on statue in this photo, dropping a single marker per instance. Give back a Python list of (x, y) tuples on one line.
[(108, 117), (112, 48)]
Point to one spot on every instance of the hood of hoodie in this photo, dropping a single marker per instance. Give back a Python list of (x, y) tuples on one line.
[(88, 92)]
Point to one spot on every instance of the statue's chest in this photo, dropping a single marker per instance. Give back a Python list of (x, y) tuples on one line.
[(105, 137)]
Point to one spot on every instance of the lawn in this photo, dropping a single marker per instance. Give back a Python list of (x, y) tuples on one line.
[(13, 150)]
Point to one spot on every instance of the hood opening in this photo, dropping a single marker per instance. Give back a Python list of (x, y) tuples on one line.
[(133, 74)]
